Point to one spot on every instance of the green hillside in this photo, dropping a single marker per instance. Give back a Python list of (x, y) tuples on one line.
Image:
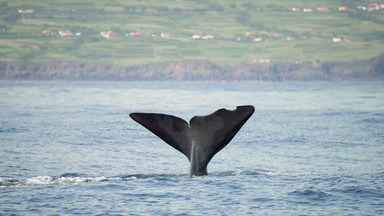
[(232, 32)]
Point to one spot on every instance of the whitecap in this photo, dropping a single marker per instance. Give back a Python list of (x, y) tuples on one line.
[(40, 180)]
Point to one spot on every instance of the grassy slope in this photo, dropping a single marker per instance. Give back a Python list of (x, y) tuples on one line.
[(182, 19)]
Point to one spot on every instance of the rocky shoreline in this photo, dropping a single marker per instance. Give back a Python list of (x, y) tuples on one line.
[(364, 70)]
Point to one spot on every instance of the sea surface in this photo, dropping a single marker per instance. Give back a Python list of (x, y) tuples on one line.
[(310, 148)]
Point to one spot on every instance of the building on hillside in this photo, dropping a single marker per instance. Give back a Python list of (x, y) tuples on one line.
[(206, 37), (65, 33), (321, 8), (307, 10), (46, 31), (132, 34), (295, 9), (275, 35), (375, 6), (108, 34), (197, 36), (25, 11), (336, 40), (361, 7), (165, 35)]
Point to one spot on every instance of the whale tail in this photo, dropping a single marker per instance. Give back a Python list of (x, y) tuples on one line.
[(202, 138)]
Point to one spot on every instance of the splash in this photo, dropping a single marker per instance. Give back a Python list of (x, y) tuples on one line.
[(73, 178), (6, 182)]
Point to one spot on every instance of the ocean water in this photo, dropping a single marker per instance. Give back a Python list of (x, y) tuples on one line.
[(310, 148)]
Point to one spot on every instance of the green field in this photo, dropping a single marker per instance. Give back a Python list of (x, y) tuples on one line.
[(237, 25)]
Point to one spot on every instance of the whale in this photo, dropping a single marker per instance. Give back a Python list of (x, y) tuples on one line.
[(201, 138)]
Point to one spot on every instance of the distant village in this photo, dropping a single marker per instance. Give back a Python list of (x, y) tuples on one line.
[(370, 7), (249, 36), (254, 36)]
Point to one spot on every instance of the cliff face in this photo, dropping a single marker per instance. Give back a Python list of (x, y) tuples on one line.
[(372, 69)]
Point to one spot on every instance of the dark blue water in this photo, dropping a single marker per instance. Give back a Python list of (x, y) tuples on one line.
[(311, 148)]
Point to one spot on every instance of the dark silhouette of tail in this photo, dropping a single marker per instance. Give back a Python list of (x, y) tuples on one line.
[(202, 138)]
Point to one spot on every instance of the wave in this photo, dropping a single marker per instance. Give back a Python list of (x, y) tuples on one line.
[(362, 191), (312, 194), (75, 178), (251, 173)]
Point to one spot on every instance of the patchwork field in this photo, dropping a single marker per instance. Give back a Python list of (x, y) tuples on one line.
[(225, 32)]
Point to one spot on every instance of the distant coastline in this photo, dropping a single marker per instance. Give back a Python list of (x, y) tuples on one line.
[(364, 70)]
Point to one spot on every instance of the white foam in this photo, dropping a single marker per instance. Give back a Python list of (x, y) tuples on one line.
[(48, 180), (277, 173), (39, 180), (129, 178)]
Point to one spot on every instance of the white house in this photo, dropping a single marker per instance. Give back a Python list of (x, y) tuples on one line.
[(336, 40), (165, 35), (65, 33), (307, 10), (197, 36), (108, 34)]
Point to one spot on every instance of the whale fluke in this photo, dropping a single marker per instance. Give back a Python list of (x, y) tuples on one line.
[(202, 138)]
